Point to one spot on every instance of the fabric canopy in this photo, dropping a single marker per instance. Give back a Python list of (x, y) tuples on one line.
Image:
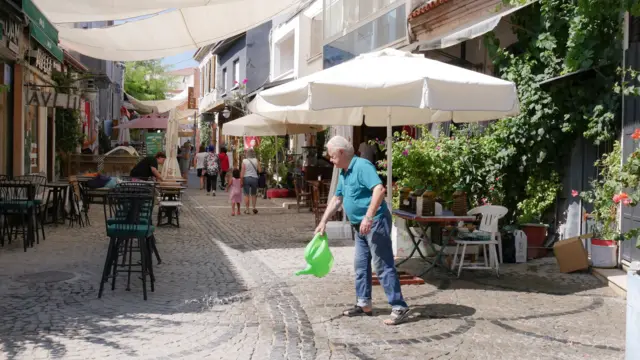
[(169, 33), (69, 11), (418, 91), (256, 125), (155, 106)]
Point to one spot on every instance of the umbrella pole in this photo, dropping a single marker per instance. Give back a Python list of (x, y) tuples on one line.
[(389, 157)]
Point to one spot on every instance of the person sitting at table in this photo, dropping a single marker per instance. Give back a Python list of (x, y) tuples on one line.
[(362, 194), (148, 167)]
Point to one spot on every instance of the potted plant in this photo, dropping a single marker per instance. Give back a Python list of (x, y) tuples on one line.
[(606, 197), (541, 194)]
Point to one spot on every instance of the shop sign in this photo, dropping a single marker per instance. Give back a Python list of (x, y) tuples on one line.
[(10, 31), (53, 99), (192, 99), (42, 61)]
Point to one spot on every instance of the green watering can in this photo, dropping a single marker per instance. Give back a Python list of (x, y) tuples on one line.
[(318, 256)]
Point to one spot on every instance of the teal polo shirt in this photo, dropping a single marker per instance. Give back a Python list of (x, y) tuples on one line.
[(355, 186)]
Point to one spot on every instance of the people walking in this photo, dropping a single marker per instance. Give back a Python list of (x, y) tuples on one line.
[(361, 192), (224, 167), (198, 163), (235, 193), (212, 168), (184, 154), (249, 175)]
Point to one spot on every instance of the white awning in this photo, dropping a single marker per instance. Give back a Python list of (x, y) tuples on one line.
[(70, 11), (463, 33), (173, 32), (155, 106)]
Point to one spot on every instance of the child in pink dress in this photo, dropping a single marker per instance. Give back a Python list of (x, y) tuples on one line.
[(235, 195)]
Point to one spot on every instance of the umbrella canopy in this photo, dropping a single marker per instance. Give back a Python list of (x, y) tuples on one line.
[(124, 136), (171, 169), (415, 90), (256, 125), (153, 121)]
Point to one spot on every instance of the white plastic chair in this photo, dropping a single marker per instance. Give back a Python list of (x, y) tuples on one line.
[(491, 214)]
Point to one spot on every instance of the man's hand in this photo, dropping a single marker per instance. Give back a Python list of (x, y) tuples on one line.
[(322, 226), (365, 226)]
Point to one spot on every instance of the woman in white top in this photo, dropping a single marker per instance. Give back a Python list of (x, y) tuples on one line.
[(249, 179), (198, 163)]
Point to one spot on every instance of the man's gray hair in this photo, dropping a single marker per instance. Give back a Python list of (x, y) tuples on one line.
[(339, 142), (250, 154)]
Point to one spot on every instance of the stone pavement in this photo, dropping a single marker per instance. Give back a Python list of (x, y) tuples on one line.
[(226, 290)]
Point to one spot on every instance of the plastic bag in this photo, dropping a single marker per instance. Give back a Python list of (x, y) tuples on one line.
[(318, 256)]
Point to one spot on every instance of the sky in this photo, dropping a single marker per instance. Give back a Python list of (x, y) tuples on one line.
[(180, 61)]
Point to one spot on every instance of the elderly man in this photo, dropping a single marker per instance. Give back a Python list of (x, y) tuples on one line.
[(361, 192)]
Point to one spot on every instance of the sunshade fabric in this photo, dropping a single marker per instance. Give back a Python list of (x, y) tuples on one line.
[(256, 125), (171, 169), (66, 11), (172, 32), (155, 106), (417, 91)]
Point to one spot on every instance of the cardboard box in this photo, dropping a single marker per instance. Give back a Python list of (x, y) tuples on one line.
[(571, 255)]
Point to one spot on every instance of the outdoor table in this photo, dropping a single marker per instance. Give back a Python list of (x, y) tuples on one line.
[(60, 192), (424, 223)]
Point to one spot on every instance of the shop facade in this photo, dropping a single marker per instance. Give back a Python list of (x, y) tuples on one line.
[(11, 27), (34, 126)]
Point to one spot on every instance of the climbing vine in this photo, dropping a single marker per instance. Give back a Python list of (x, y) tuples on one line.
[(566, 64)]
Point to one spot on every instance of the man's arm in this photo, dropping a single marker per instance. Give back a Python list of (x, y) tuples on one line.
[(156, 173), (333, 206), (376, 200)]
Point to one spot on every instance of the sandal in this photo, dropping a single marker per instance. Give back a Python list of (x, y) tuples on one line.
[(246, 211), (255, 211), (356, 311), (398, 316)]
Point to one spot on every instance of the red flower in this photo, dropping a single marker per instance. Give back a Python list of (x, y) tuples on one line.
[(492, 188), (235, 81), (620, 197), (627, 202), (636, 134), (574, 193), (244, 81)]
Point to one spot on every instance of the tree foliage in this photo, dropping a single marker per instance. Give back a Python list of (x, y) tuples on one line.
[(147, 80), (68, 124)]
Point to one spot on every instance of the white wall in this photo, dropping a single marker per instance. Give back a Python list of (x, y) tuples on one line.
[(309, 63)]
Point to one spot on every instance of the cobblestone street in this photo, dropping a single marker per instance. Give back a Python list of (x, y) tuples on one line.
[(226, 290)]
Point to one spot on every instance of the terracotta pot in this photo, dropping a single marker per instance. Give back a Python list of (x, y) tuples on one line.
[(536, 236)]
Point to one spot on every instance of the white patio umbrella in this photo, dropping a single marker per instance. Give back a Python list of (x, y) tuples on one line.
[(124, 135), (389, 88), (257, 125), (171, 169)]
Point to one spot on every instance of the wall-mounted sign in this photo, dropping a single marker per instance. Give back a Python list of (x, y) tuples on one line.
[(9, 34), (51, 99), (42, 61), (192, 99)]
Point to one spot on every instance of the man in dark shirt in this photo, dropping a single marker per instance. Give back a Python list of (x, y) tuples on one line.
[(148, 167)]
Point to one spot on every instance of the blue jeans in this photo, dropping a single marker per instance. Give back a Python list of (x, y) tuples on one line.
[(376, 245)]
